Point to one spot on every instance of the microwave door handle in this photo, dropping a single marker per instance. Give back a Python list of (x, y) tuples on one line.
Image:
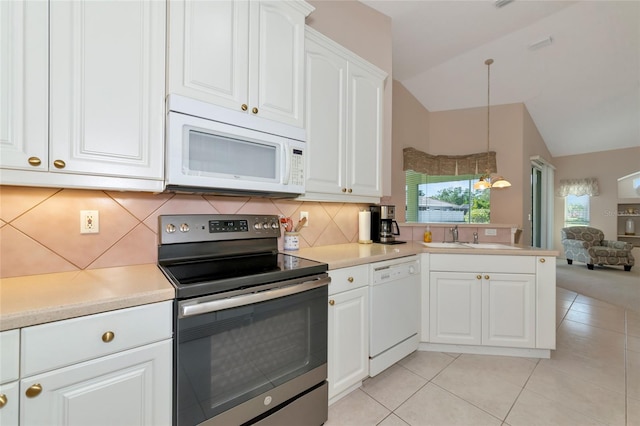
[(287, 165)]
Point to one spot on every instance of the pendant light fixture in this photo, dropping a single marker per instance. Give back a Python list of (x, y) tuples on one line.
[(487, 180)]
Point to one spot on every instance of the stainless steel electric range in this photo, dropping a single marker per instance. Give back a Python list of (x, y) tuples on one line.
[(250, 323)]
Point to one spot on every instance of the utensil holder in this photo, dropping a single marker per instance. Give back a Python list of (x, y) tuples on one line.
[(291, 240)]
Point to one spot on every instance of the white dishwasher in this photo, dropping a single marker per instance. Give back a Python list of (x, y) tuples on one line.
[(395, 311)]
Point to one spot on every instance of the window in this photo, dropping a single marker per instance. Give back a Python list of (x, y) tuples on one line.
[(576, 210), (445, 199)]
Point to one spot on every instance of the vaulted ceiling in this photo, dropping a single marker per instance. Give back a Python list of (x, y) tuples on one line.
[(582, 90)]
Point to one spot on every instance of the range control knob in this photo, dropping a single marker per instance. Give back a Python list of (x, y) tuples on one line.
[(184, 227), (257, 225), (170, 229), (275, 225)]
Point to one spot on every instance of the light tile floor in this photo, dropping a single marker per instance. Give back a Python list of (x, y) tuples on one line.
[(592, 378)]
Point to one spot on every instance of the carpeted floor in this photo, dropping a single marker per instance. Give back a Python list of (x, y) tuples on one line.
[(610, 284)]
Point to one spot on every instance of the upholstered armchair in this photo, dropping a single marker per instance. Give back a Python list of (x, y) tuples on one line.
[(586, 244)]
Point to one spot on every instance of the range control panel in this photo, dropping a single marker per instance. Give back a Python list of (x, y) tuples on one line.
[(214, 227)]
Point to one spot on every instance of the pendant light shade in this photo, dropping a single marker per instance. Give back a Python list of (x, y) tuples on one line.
[(487, 181)]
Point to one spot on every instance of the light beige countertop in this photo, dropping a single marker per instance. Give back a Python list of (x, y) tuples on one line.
[(353, 254), (37, 299)]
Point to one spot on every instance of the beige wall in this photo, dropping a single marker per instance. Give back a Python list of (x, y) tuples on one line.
[(513, 136), (607, 167)]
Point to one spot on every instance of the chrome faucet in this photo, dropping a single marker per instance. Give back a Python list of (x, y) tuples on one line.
[(454, 233)]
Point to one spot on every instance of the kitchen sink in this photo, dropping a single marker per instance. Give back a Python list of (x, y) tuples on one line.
[(445, 245), (492, 246), (461, 245)]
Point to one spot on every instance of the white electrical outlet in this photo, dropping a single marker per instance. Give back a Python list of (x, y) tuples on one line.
[(490, 231), (303, 215), (89, 222)]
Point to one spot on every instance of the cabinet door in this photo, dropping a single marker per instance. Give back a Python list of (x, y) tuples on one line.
[(325, 119), (24, 84), (364, 133), (209, 51), (107, 62), (129, 388), (508, 310), (9, 397), (276, 61), (455, 303), (348, 339)]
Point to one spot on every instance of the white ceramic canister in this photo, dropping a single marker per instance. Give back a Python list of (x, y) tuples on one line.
[(630, 227), (291, 240)]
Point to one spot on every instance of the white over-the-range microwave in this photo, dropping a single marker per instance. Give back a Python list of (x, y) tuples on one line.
[(210, 149)]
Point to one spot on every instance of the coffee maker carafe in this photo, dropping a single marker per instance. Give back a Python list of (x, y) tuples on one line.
[(384, 228)]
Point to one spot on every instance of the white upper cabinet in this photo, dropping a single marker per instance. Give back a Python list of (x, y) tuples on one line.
[(24, 74), (86, 93), (343, 120), (243, 55)]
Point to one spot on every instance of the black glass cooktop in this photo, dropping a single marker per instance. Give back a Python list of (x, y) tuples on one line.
[(209, 276)]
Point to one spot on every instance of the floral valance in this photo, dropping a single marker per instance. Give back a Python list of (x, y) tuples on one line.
[(586, 186), (449, 165)]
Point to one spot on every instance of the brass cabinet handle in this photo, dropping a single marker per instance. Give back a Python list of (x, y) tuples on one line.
[(59, 164), (33, 390), (486, 277), (344, 189), (332, 302), (3, 400), (479, 277), (244, 107), (34, 161), (350, 279), (542, 260), (254, 110), (350, 191), (108, 336)]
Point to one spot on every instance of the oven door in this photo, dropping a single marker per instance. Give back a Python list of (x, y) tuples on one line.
[(244, 357)]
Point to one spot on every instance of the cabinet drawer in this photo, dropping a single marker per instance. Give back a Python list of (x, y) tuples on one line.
[(53, 345), (483, 263), (348, 278), (9, 355)]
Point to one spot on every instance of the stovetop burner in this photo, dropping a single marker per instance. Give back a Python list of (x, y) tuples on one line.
[(199, 256)]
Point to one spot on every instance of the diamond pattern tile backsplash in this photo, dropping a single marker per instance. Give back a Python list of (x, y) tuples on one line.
[(40, 227)]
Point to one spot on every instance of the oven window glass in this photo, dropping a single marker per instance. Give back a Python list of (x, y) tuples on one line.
[(227, 357), (210, 153)]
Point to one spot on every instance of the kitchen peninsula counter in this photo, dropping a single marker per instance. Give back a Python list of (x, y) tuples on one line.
[(37, 299), (353, 254)]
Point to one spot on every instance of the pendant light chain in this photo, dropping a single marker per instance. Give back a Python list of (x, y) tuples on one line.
[(488, 62)]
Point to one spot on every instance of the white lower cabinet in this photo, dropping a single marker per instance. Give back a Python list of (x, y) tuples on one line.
[(483, 309), (9, 374), (128, 388), (348, 336), (113, 368), (490, 301)]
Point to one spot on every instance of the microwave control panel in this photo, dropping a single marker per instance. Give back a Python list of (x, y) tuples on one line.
[(296, 176)]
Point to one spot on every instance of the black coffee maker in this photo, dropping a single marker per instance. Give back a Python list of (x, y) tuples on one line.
[(384, 228)]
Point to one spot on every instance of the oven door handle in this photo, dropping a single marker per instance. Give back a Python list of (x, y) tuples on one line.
[(196, 308)]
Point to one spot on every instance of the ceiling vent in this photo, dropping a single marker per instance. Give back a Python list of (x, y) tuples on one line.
[(541, 43), (501, 3)]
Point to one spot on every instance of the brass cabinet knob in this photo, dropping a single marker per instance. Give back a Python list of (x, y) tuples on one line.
[(350, 191), (350, 279), (108, 336), (34, 161), (344, 189), (3, 400), (33, 390), (332, 302), (486, 277), (479, 277), (244, 107), (542, 260), (254, 110), (59, 164)]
